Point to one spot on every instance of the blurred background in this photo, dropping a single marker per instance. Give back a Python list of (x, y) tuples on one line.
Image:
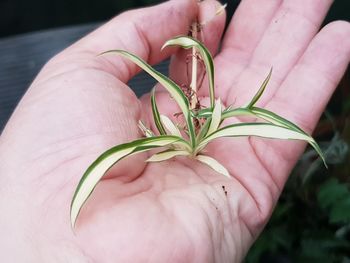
[(311, 222)]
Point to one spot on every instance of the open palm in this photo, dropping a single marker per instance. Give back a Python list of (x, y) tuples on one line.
[(178, 210)]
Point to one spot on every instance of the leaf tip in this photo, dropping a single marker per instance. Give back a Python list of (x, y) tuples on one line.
[(166, 44), (221, 9), (73, 217), (214, 164)]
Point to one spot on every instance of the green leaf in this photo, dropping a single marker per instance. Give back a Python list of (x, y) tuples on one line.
[(215, 118), (331, 192), (203, 132), (203, 113), (274, 119), (209, 126), (156, 115), (278, 120), (188, 42), (214, 164), (174, 90), (266, 130), (340, 213), (260, 91), (101, 165), (228, 113), (166, 155), (315, 251)]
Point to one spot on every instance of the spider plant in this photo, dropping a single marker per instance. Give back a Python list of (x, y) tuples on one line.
[(202, 126)]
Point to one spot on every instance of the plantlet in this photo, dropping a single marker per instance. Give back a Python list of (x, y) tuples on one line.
[(201, 127)]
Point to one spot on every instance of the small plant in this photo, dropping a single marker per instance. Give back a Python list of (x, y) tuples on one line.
[(202, 125)]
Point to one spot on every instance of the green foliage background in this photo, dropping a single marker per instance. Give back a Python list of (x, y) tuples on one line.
[(311, 222)]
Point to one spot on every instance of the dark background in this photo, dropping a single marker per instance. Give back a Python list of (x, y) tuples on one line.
[(311, 222), (19, 16)]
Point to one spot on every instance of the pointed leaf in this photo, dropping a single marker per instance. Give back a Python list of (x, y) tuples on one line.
[(99, 167), (274, 119), (278, 120), (156, 115), (166, 155), (188, 42), (204, 130), (260, 91), (215, 118), (266, 130), (262, 114), (214, 164), (174, 90), (170, 126), (221, 9)]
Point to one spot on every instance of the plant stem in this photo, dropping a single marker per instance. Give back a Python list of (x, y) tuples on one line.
[(193, 84)]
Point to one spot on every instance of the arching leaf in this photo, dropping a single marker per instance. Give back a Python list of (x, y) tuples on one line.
[(260, 91), (214, 164), (103, 163), (156, 115), (166, 155), (174, 90), (170, 126), (189, 42)]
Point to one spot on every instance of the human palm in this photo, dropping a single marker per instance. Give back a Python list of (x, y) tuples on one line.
[(178, 210)]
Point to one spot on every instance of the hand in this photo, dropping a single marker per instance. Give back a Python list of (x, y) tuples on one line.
[(174, 211)]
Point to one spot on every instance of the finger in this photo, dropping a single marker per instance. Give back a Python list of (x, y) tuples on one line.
[(247, 27), (305, 93), (245, 31), (285, 38), (210, 35), (142, 32), (249, 23), (74, 97), (288, 35)]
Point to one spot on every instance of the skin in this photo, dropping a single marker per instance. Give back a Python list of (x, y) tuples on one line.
[(174, 211)]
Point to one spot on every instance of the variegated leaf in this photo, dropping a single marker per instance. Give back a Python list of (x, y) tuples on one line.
[(260, 91), (166, 155), (188, 42), (170, 126), (156, 115), (101, 165), (212, 163), (174, 90)]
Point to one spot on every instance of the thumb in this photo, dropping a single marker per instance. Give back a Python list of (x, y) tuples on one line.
[(142, 32)]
